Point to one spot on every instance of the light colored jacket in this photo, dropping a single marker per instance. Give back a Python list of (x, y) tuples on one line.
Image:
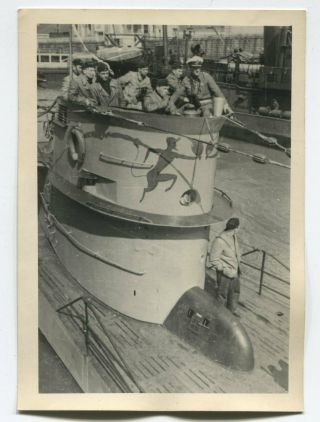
[(225, 254), (133, 86), (173, 82), (80, 90), (152, 101), (66, 83)]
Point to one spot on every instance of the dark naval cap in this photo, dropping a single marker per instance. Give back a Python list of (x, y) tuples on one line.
[(176, 64), (162, 82), (103, 66), (197, 50), (232, 223), (77, 62), (89, 63), (142, 64)]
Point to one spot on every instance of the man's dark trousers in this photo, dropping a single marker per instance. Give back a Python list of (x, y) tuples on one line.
[(228, 291)]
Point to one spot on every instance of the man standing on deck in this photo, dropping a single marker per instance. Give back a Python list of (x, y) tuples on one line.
[(135, 85), (200, 88), (225, 259)]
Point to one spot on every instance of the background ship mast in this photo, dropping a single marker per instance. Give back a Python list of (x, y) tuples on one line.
[(70, 51)]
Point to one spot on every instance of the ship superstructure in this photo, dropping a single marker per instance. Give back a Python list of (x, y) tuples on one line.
[(127, 207)]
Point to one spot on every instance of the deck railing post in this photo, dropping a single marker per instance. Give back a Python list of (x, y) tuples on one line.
[(262, 271)]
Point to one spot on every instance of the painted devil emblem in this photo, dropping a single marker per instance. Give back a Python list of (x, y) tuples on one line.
[(165, 158)]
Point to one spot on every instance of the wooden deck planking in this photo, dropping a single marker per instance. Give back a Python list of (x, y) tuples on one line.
[(158, 360)]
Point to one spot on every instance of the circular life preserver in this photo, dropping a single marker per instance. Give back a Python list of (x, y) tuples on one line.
[(77, 146)]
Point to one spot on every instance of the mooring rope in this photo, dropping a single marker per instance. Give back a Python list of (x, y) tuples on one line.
[(269, 140), (143, 124), (258, 158)]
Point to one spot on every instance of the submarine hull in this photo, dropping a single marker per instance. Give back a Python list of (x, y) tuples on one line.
[(137, 269), (127, 208)]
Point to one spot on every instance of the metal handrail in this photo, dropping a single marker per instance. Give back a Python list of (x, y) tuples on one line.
[(105, 356), (263, 271)]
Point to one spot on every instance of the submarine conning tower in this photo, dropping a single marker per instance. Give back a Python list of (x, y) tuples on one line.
[(127, 208)]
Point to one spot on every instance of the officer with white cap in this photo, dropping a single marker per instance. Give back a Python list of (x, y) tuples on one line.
[(195, 60), (200, 88)]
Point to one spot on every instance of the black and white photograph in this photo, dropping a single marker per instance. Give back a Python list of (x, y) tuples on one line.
[(164, 202)]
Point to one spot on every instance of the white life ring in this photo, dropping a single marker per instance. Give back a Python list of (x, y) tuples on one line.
[(77, 146)]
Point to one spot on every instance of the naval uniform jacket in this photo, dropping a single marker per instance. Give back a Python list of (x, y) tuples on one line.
[(173, 82), (225, 254), (202, 86), (196, 88), (152, 101), (133, 86), (66, 83), (109, 94), (81, 90)]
